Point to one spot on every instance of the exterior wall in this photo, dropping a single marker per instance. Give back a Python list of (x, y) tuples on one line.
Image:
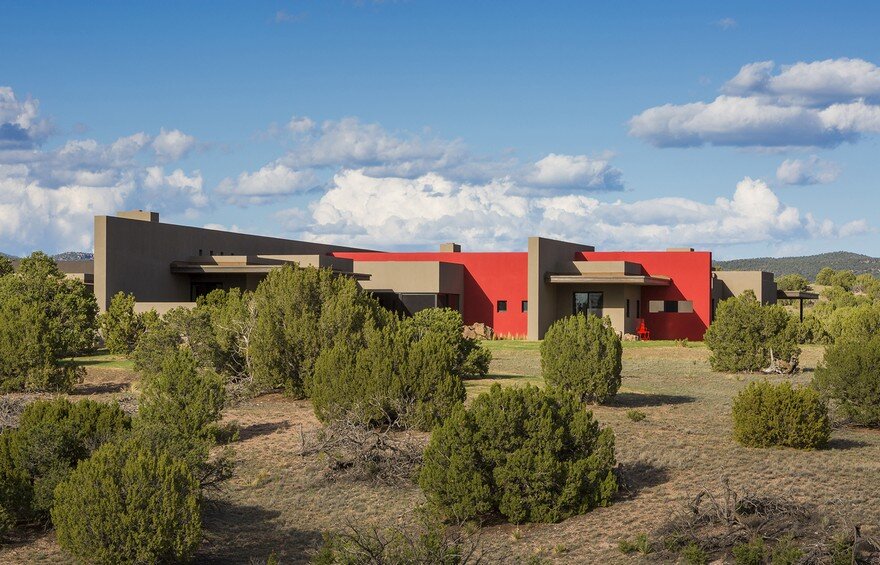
[(543, 257), (733, 283), (691, 274), (486, 277), (633, 293), (412, 276), (135, 255), (613, 301)]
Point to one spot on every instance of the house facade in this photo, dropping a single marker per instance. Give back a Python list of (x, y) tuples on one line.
[(672, 293)]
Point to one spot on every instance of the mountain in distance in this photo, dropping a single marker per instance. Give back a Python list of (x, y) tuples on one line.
[(74, 256), (807, 265), (66, 256)]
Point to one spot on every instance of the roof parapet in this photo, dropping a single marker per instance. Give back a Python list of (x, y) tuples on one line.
[(142, 215)]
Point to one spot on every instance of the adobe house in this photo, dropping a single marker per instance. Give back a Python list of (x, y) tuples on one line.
[(673, 292)]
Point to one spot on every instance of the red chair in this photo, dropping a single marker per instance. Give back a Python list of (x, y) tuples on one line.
[(643, 332)]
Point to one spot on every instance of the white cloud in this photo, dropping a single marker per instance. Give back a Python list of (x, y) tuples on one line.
[(349, 143), (268, 183), (814, 83), (21, 127), (363, 210), (319, 151), (726, 23), (48, 197), (575, 172), (807, 171), (822, 103), (173, 145), (35, 217), (300, 125), (175, 187)]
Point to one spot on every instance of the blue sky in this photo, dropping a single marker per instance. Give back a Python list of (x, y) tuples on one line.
[(739, 127)]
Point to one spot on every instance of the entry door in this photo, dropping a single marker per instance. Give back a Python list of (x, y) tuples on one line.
[(589, 303)]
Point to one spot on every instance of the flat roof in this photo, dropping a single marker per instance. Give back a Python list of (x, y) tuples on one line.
[(608, 278), (187, 268), (796, 295)]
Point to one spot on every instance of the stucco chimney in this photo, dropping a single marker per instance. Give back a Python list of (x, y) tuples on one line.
[(144, 216), (450, 248)]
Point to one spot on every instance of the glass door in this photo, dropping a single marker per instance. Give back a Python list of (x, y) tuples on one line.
[(588, 303)]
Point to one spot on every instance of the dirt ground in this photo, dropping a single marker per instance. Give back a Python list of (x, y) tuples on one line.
[(280, 502)]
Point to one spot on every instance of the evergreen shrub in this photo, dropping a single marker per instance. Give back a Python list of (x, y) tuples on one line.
[(780, 415), (528, 454), (583, 354)]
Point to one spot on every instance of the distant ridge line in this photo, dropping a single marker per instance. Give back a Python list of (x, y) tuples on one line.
[(806, 265)]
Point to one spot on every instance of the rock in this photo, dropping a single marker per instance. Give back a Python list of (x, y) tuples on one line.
[(630, 337), (478, 331)]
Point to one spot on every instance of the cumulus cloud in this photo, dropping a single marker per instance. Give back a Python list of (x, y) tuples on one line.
[(268, 183), (726, 23), (822, 103), (350, 143), (320, 150), (173, 145), (363, 210), (575, 172), (21, 127), (807, 171), (48, 197)]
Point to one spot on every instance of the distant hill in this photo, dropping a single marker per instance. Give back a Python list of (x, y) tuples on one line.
[(74, 256), (808, 265), (66, 256)]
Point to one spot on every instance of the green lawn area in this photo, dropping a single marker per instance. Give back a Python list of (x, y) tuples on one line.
[(104, 360)]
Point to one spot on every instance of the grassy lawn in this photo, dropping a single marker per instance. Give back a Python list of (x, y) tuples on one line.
[(104, 360), (280, 502)]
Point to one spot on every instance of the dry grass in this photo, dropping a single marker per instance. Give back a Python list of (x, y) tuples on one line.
[(279, 501)]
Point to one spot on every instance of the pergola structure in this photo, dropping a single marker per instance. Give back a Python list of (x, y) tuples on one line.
[(799, 295)]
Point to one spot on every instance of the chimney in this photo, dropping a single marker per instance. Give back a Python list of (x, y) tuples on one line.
[(679, 249), (450, 248), (139, 215)]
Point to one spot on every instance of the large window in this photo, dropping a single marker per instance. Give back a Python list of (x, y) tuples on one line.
[(589, 303)]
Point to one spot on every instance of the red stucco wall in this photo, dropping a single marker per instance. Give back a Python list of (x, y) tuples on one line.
[(488, 278), (691, 274)]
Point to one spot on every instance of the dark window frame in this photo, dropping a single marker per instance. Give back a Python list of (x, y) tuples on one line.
[(501, 306), (589, 309), (524, 306)]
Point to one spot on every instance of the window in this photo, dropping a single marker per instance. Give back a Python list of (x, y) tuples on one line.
[(200, 252), (589, 303), (671, 306), (638, 308), (627, 307), (525, 305), (199, 289), (502, 306), (211, 253)]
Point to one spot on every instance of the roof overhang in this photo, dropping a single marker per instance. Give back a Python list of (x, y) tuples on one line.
[(796, 295), (609, 278), (187, 268)]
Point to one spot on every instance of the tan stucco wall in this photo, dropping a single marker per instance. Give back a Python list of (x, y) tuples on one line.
[(135, 255), (733, 283), (412, 276), (613, 302), (544, 256)]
